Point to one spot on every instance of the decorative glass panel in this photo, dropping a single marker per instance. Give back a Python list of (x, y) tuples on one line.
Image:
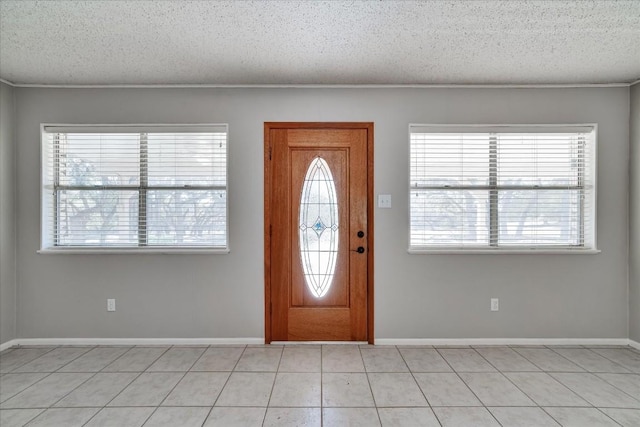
[(318, 227)]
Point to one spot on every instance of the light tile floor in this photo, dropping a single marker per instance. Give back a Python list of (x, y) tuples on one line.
[(313, 385)]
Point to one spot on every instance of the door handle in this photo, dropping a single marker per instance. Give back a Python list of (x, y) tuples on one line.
[(360, 250), (361, 234)]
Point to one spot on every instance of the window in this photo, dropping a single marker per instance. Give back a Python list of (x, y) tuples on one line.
[(502, 187), (134, 187)]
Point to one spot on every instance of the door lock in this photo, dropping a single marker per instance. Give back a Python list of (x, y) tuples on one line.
[(360, 250)]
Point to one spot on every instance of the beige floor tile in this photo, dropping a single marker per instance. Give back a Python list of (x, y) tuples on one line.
[(247, 389), (121, 417), (98, 390), (136, 360), (197, 389), (465, 417), (149, 389), (383, 360), (293, 417), (352, 417), (20, 356), (177, 359), (95, 359), (341, 358), (235, 417), (396, 389), (53, 360), (301, 359), (424, 360), (523, 417), (407, 417), (625, 417), (506, 359), (494, 389), (597, 391), (173, 417), (12, 384), (465, 360), (446, 389), (47, 391), (259, 360), (580, 417), (17, 417), (67, 417), (590, 361), (548, 360), (545, 390), (218, 359), (296, 390), (346, 390), (629, 383)]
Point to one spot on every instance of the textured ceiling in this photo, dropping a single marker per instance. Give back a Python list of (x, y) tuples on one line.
[(319, 42)]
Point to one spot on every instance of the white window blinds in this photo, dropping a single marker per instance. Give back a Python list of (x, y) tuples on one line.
[(476, 187), (128, 187)]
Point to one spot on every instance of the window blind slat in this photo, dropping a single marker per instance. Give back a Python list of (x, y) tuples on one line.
[(133, 187), (537, 189)]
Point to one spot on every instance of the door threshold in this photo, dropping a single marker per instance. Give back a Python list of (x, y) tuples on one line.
[(319, 343)]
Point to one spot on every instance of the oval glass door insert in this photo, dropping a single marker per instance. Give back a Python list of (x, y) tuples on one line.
[(318, 225)]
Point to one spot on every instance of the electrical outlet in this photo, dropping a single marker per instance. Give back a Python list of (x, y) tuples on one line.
[(111, 304), (495, 304)]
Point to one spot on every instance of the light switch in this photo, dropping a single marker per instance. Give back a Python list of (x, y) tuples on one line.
[(384, 201)]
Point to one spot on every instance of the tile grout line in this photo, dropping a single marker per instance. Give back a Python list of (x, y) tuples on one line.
[(273, 386), (418, 384), (555, 350), (159, 405), (614, 361), (225, 383), (29, 361), (501, 373), (615, 386), (93, 374), (106, 405), (114, 360), (510, 381), (595, 374), (56, 371), (464, 382), (46, 375), (366, 372)]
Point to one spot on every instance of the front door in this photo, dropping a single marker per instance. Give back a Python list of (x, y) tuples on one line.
[(318, 231)]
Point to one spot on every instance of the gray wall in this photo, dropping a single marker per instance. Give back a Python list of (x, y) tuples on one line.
[(634, 218), (417, 296), (7, 217)]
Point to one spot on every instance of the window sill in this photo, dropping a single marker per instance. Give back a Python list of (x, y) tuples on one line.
[(134, 251), (541, 251)]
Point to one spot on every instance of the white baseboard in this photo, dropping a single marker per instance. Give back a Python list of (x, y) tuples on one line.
[(502, 341), (8, 344), (132, 341), (379, 341)]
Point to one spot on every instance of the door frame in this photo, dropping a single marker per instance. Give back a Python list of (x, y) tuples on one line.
[(268, 171)]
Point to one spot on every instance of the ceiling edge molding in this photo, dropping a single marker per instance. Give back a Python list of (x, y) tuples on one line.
[(322, 86)]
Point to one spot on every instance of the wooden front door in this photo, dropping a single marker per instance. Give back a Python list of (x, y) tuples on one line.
[(318, 232)]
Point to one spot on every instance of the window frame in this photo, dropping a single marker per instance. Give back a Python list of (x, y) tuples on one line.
[(493, 191), (47, 245)]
